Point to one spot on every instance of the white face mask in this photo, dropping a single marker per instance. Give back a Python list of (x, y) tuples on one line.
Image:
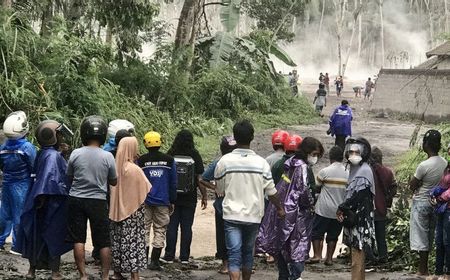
[(355, 159), (312, 160)]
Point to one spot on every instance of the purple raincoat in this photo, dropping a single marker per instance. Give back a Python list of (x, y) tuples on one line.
[(292, 236), (341, 121)]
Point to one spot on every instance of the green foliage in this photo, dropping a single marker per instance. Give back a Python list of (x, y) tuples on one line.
[(229, 14), (270, 15), (263, 40)]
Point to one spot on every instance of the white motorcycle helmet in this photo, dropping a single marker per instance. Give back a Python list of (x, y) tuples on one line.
[(117, 125), (16, 125)]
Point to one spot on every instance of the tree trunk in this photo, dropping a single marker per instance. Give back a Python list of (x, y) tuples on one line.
[(430, 22), (108, 39), (47, 17), (356, 13), (186, 23), (7, 4), (339, 15), (380, 2), (321, 19), (359, 33), (447, 20)]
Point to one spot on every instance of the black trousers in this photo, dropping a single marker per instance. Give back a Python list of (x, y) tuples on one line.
[(340, 141)]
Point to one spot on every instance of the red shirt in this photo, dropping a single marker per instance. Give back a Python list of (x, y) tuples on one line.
[(384, 179)]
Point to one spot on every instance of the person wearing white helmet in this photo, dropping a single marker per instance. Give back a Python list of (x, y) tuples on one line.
[(113, 127), (17, 157)]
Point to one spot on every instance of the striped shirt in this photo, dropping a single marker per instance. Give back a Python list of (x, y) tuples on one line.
[(244, 178), (333, 180)]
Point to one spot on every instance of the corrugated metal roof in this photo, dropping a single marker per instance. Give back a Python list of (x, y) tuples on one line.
[(443, 49)]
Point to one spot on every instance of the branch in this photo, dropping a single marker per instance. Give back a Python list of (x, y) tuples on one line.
[(288, 12), (214, 3), (206, 20)]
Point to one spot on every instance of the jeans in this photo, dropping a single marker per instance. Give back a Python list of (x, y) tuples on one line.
[(240, 240), (182, 216), (289, 271), (443, 243)]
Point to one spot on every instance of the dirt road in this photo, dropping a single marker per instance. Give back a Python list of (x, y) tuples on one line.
[(391, 136)]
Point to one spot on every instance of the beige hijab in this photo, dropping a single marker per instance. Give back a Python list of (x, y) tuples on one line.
[(132, 185)]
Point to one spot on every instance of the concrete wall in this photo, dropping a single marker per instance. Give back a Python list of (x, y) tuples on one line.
[(422, 94)]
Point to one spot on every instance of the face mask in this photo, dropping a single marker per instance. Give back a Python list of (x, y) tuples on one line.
[(355, 159), (312, 160)]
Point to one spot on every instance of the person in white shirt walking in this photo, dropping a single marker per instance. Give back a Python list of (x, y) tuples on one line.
[(244, 178)]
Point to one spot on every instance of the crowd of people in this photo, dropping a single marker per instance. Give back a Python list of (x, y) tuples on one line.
[(276, 206)]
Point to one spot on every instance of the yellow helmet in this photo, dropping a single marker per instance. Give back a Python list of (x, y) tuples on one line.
[(152, 139)]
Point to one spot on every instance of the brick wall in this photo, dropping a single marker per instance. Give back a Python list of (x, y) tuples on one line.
[(422, 94)]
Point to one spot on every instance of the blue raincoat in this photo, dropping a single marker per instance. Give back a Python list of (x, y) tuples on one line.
[(110, 145), (16, 161), (43, 224), (341, 121)]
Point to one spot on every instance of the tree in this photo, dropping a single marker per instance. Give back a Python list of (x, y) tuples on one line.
[(273, 15)]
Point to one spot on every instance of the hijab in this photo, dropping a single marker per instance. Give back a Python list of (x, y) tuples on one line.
[(132, 184)]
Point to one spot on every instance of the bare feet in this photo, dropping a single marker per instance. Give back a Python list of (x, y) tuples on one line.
[(313, 260), (31, 274), (328, 262), (56, 276)]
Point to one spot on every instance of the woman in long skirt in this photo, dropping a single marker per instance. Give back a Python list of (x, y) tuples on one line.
[(127, 212)]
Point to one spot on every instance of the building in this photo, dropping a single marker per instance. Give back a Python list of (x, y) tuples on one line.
[(422, 93)]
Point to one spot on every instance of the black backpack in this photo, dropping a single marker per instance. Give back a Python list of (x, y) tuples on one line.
[(185, 174)]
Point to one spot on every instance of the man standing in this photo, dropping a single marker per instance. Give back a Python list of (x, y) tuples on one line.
[(385, 190), (341, 123), (422, 220), (368, 89), (160, 169), (243, 177), (332, 181), (90, 170)]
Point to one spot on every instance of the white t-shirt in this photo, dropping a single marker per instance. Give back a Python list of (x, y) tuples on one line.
[(244, 178), (333, 180), (429, 172)]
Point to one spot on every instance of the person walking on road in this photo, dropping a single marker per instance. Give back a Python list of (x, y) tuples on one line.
[(243, 178), (341, 123), (289, 239)]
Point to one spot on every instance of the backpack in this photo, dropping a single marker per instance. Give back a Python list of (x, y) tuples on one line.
[(185, 174)]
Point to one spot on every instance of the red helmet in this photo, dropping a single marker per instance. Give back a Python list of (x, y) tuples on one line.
[(292, 142), (278, 137)]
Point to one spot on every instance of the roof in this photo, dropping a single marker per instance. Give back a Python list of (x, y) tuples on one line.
[(443, 49), (429, 64)]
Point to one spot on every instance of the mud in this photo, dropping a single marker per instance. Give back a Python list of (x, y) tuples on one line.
[(391, 136)]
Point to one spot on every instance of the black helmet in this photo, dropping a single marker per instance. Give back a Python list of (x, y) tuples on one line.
[(93, 128), (46, 133), (365, 147)]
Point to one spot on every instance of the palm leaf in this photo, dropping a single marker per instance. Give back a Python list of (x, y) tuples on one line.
[(229, 14), (279, 53), (221, 49)]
